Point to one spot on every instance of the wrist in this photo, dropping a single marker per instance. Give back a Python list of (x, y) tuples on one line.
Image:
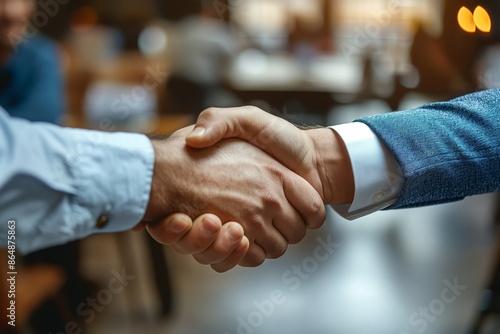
[(333, 166), (159, 196)]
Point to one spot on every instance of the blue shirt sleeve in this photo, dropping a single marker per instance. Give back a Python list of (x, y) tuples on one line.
[(57, 182)]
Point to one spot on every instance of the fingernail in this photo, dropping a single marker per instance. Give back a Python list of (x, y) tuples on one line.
[(234, 233), (179, 226), (210, 226), (242, 244), (198, 132)]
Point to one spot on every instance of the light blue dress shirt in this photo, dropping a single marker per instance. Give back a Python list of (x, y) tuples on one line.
[(56, 183)]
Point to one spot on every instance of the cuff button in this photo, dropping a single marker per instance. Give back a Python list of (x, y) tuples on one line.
[(378, 197), (102, 221)]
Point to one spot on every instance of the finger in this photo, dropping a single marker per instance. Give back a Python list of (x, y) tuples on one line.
[(203, 233), (215, 124), (305, 199), (254, 257), (291, 225), (227, 240), (268, 237), (275, 247), (171, 229), (181, 133), (234, 259), (139, 227), (274, 135)]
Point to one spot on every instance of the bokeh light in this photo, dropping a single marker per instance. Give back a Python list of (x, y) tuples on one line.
[(482, 19), (466, 20), (153, 40)]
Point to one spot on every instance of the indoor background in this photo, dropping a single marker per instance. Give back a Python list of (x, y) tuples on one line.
[(152, 66)]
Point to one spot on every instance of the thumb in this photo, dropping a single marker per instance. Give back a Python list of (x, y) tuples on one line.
[(215, 124)]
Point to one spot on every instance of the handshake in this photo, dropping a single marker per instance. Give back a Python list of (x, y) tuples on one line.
[(241, 185)]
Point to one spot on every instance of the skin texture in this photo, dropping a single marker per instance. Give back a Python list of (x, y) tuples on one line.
[(316, 154), (237, 182), (210, 242)]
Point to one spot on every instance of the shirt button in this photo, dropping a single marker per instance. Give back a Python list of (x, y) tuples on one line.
[(378, 197), (102, 222)]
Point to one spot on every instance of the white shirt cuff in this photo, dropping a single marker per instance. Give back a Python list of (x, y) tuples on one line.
[(377, 176)]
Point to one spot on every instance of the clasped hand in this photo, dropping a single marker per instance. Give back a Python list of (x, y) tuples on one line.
[(253, 196)]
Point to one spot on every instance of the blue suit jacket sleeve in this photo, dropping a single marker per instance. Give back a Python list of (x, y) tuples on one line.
[(446, 150)]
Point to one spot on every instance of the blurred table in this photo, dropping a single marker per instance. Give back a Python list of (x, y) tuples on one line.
[(331, 73), (277, 79)]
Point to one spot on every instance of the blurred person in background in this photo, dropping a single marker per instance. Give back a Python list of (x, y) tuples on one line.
[(438, 75), (200, 51), (31, 87)]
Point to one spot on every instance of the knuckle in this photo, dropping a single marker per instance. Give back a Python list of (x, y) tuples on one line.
[(297, 236), (252, 109), (270, 201), (317, 215), (209, 112), (256, 224), (318, 208)]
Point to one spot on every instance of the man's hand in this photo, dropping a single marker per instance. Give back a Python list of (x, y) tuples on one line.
[(318, 155), (210, 242), (206, 239), (237, 182)]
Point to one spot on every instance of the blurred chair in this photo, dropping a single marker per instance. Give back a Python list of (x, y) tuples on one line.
[(34, 285)]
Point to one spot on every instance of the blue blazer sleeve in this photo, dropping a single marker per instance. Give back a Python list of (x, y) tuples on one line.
[(446, 150)]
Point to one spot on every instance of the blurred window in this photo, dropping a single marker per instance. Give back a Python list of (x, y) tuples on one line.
[(268, 21)]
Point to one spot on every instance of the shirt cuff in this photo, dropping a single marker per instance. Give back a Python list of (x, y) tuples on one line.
[(115, 183), (377, 176)]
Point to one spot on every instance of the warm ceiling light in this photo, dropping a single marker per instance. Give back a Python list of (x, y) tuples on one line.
[(482, 19), (466, 20)]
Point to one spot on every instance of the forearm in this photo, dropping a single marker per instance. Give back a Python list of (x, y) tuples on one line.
[(63, 184)]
